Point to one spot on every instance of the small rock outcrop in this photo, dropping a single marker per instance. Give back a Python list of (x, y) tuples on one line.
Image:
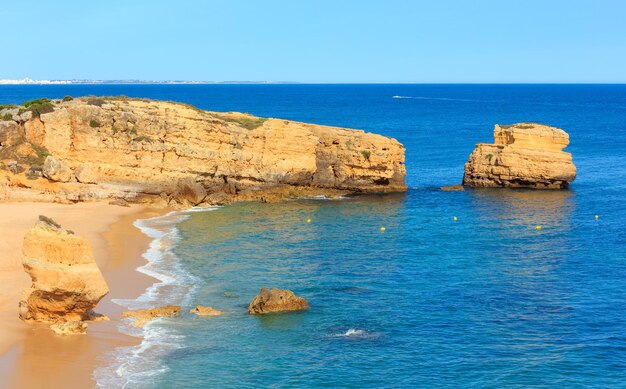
[(524, 155), (143, 316), (67, 283), (276, 300), (70, 328), (206, 311)]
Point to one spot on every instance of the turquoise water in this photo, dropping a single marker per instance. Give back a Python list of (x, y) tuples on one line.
[(483, 301)]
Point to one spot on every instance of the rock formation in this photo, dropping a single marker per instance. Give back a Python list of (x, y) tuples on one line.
[(206, 311), (525, 155), (143, 316), (276, 300), (143, 150), (66, 282)]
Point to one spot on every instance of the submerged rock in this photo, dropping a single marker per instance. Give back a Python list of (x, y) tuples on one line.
[(67, 283), (453, 188), (143, 316), (524, 155), (276, 300), (206, 311)]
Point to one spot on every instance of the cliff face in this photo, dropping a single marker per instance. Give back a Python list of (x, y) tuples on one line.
[(136, 148), (525, 155)]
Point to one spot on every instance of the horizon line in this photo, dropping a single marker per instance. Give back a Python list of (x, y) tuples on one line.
[(28, 81)]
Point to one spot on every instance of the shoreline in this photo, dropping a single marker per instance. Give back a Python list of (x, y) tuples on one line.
[(31, 356)]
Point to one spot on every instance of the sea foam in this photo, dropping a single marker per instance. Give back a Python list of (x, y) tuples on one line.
[(139, 366)]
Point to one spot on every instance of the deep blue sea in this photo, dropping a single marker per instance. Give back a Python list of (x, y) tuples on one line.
[(483, 301)]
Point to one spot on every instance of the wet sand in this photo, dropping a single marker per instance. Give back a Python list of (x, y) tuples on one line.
[(32, 356)]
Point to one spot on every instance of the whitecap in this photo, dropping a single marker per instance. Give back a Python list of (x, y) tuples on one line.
[(356, 334)]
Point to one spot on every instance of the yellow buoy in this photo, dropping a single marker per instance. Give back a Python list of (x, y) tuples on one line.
[(455, 218), (537, 227), (597, 217), (382, 228), (308, 220)]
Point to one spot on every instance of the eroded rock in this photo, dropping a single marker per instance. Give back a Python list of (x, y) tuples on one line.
[(201, 310), (70, 328), (524, 155), (143, 316), (66, 282), (276, 300)]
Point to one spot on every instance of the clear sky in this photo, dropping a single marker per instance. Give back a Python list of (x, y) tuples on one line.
[(316, 40)]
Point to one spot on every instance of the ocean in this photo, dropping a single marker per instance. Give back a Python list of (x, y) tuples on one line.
[(482, 301)]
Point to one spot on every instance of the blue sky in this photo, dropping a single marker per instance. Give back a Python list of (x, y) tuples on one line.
[(317, 41)]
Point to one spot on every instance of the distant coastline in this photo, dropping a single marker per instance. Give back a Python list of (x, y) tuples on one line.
[(29, 81)]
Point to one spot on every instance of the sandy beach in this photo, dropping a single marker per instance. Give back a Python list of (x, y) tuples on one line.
[(32, 356)]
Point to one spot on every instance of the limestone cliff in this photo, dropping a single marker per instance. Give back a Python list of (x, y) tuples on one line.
[(525, 155), (66, 282), (93, 148)]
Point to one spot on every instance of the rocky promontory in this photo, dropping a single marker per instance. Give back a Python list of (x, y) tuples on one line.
[(153, 151), (524, 155)]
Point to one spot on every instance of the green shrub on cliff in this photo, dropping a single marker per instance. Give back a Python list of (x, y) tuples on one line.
[(7, 106), (366, 154), (7, 116), (93, 123), (250, 123), (37, 106), (68, 98)]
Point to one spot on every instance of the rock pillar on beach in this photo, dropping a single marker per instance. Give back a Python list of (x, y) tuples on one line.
[(66, 282), (276, 300), (524, 155)]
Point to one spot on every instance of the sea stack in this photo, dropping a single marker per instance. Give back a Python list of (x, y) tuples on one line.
[(524, 155), (66, 282)]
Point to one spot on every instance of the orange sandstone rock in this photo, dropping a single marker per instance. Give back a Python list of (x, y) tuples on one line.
[(67, 283), (276, 300), (147, 151), (525, 155), (143, 316), (206, 311)]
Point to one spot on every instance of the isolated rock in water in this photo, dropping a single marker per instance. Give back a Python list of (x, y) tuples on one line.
[(276, 300), (453, 188), (525, 155), (55, 170), (206, 311), (66, 280), (70, 328), (143, 316)]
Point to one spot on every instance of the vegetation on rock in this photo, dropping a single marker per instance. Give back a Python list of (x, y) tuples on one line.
[(37, 106)]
